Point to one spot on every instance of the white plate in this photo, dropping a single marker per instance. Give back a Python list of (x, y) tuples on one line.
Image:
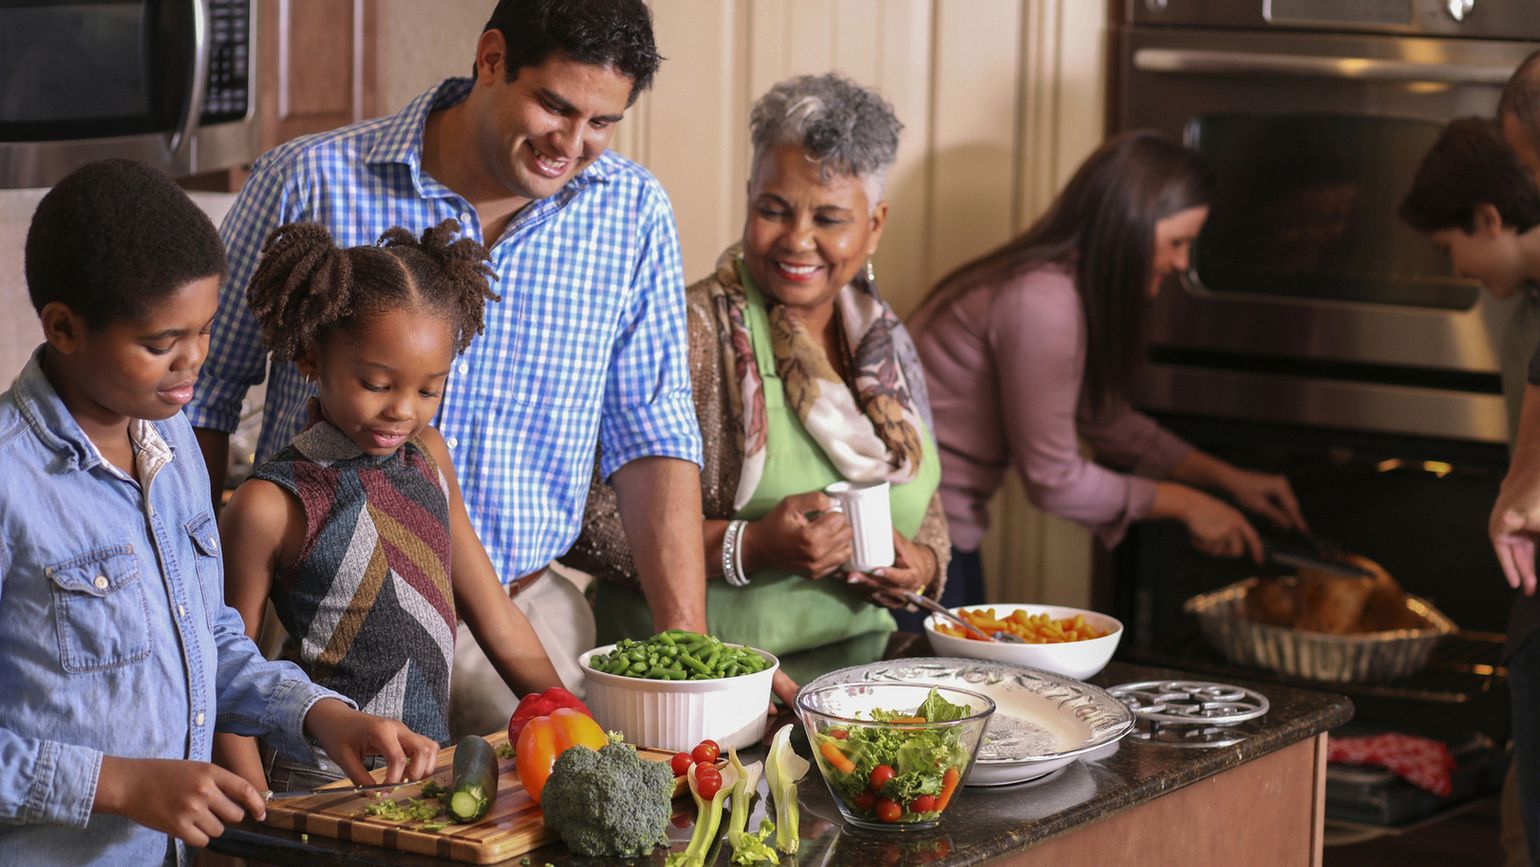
[(1042, 721)]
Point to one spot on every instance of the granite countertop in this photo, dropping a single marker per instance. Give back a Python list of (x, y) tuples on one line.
[(987, 822)]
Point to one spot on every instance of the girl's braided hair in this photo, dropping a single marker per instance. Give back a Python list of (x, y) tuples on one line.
[(305, 284)]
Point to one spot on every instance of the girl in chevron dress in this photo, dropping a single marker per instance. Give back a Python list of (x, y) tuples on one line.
[(356, 530)]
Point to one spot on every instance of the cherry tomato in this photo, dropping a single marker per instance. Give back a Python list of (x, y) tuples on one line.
[(708, 781), (681, 763), (888, 811), (923, 804), (838, 734), (881, 774), (864, 801), (706, 751)]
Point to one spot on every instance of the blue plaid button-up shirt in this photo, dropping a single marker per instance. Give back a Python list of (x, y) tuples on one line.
[(588, 344)]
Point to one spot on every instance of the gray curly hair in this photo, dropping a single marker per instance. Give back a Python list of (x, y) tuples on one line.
[(844, 127)]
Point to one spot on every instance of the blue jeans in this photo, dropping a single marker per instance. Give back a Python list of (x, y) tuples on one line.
[(964, 586), (1524, 687)]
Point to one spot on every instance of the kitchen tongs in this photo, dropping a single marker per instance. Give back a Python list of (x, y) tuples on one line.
[(1303, 551)]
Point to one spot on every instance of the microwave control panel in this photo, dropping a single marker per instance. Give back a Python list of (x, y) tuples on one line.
[(229, 41)]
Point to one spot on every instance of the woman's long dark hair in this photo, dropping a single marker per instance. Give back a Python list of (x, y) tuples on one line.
[(1102, 228)]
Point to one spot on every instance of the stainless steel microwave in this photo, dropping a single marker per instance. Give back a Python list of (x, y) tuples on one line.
[(167, 82)]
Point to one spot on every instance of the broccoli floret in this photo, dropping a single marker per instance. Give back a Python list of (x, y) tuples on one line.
[(608, 803)]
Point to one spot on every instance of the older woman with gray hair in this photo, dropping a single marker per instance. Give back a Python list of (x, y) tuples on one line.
[(803, 377)]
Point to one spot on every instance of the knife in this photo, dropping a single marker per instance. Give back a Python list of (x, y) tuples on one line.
[(329, 790)]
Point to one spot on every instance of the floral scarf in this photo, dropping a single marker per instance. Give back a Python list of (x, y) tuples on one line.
[(870, 435)]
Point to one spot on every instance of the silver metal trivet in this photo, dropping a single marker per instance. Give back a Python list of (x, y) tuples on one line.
[(1190, 702), (1189, 736), (1189, 713)]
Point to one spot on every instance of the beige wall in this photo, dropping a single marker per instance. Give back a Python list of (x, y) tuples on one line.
[(420, 44), (1000, 100)]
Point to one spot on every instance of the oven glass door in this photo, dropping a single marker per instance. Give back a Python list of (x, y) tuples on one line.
[(1315, 138), (1305, 207), (93, 68)]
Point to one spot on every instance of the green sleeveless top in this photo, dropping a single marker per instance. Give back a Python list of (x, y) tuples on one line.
[(813, 626)]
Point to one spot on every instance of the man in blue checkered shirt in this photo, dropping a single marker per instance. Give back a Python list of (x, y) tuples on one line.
[(588, 344)]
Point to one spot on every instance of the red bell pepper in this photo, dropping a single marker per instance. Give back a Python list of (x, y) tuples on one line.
[(539, 704)]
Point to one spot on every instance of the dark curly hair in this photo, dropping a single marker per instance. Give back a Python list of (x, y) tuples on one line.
[(305, 285), (1470, 165), (113, 239), (614, 33)]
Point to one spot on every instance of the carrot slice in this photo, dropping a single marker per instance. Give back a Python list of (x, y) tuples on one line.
[(949, 780), (833, 756)]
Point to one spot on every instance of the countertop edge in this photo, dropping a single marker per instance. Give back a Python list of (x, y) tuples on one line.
[(1088, 813)]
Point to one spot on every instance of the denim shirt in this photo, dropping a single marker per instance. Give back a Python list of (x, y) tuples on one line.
[(114, 635)]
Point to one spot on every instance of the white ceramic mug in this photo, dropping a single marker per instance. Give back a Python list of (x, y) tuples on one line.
[(866, 507)]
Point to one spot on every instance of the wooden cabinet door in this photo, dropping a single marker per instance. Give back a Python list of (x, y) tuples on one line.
[(317, 66)]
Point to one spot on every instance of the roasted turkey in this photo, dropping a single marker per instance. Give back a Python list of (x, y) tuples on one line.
[(1325, 602)]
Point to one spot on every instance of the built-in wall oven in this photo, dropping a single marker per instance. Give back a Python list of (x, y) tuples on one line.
[(167, 82), (1316, 335), (1315, 114)]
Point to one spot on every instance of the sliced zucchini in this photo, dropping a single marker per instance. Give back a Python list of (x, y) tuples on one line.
[(474, 786)]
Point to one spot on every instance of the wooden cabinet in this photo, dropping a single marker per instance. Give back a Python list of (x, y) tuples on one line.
[(317, 66), (1269, 812)]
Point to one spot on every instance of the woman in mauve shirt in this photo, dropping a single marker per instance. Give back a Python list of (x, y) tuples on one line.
[(1032, 348)]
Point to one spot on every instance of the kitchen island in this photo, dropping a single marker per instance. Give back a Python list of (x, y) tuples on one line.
[(1258, 802)]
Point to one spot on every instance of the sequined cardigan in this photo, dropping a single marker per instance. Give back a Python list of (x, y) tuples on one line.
[(602, 550)]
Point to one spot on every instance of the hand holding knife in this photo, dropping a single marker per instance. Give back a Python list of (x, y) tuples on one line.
[(333, 789)]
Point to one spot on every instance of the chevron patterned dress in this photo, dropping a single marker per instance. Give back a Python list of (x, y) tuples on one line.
[(368, 606)]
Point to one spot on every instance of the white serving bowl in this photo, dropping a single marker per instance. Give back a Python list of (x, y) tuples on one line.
[(675, 715), (1077, 659)]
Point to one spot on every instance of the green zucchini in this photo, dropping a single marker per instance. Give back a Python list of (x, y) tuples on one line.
[(474, 787)]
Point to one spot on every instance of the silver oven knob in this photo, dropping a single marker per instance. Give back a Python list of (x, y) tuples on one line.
[(1459, 10)]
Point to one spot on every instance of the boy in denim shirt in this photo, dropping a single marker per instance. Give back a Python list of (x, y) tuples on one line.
[(118, 656)]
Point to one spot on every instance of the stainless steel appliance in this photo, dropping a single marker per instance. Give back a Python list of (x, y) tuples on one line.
[(1315, 335), (1308, 301), (168, 82)]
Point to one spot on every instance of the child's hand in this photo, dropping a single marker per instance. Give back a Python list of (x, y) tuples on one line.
[(348, 736), (190, 800)]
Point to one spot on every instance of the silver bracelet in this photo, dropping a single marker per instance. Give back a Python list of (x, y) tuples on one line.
[(738, 555), (732, 558)]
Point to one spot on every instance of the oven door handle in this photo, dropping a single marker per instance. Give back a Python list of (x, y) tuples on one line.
[(1184, 61), (192, 107)]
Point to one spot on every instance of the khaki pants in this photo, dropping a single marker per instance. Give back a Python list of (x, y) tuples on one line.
[(479, 702)]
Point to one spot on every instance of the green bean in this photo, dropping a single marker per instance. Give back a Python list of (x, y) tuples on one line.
[(678, 654), (692, 662)]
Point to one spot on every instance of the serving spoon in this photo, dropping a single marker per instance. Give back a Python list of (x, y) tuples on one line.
[(929, 604)]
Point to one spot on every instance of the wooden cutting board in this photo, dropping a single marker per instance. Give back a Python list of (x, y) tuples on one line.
[(514, 825)]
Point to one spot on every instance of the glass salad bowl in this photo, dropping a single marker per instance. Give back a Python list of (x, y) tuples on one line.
[(894, 755)]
